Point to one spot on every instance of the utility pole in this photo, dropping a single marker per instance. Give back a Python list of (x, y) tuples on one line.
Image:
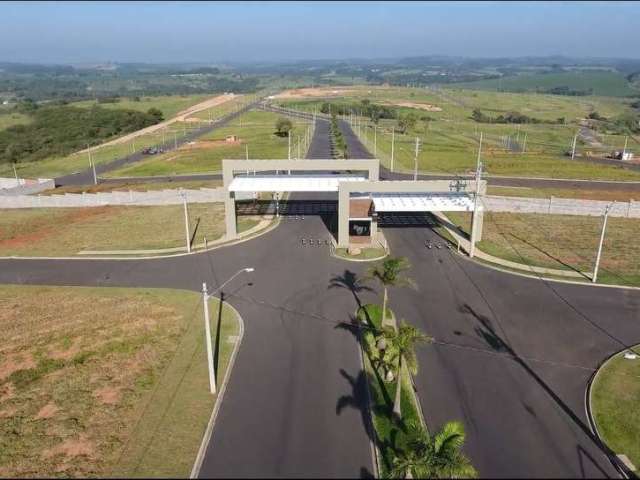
[(95, 177), (472, 249), (624, 150), (393, 143), (375, 140), (186, 221), (246, 151), (573, 148), (289, 145), (15, 173), (604, 226), (524, 143), (207, 330), (298, 157), (415, 160)]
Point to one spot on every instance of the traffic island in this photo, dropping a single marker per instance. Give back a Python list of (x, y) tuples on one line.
[(390, 432), (613, 404)]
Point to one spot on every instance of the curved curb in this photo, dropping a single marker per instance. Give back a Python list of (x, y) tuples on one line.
[(257, 234), (543, 278), (610, 454), (197, 464)]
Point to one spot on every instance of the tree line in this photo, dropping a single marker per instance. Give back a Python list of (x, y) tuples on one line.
[(60, 130), (511, 117)]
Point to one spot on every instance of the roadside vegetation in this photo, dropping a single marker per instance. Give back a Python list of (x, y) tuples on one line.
[(256, 134), (565, 242), (111, 382), (67, 231), (407, 449), (614, 404)]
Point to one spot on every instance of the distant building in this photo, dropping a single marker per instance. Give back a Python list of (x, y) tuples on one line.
[(231, 138)]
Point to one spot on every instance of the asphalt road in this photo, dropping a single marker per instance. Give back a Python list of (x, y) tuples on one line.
[(512, 358), (85, 177)]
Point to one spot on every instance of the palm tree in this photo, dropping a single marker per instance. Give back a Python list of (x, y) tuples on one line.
[(402, 343), (437, 456), (389, 272)]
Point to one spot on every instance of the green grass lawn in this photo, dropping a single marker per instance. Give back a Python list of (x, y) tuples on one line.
[(565, 242), (67, 231), (105, 382), (390, 433), (615, 396), (255, 129)]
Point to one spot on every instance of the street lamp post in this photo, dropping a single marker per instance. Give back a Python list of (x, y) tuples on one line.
[(604, 227), (207, 325)]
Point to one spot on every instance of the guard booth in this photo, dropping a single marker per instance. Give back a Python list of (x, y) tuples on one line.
[(399, 197)]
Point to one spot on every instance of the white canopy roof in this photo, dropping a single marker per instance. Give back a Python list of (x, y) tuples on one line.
[(290, 183), (424, 202)]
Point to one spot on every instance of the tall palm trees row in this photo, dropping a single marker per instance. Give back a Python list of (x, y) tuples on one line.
[(391, 348)]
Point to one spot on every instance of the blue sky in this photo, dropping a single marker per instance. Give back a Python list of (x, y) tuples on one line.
[(76, 32)]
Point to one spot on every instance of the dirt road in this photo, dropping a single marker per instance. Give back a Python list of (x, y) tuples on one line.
[(180, 117)]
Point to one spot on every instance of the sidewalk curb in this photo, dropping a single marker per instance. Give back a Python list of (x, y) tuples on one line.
[(266, 230), (197, 465)]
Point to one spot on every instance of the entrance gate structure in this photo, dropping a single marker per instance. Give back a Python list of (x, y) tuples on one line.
[(355, 181)]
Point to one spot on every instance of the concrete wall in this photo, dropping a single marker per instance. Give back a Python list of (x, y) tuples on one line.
[(160, 197), (9, 186), (560, 206)]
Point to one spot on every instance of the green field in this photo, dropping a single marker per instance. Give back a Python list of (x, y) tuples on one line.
[(564, 242), (614, 397), (170, 105), (8, 119), (255, 129), (605, 83), (105, 382), (67, 231), (449, 138)]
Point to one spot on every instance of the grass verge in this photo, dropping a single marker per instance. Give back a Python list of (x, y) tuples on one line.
[(67, 231), (614, 404), (564, 242), (373, 253), (100, 382)]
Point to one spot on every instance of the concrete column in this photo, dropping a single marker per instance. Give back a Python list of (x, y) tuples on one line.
[(374, 231), (343, 217), (477, 222), (230, 215)]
